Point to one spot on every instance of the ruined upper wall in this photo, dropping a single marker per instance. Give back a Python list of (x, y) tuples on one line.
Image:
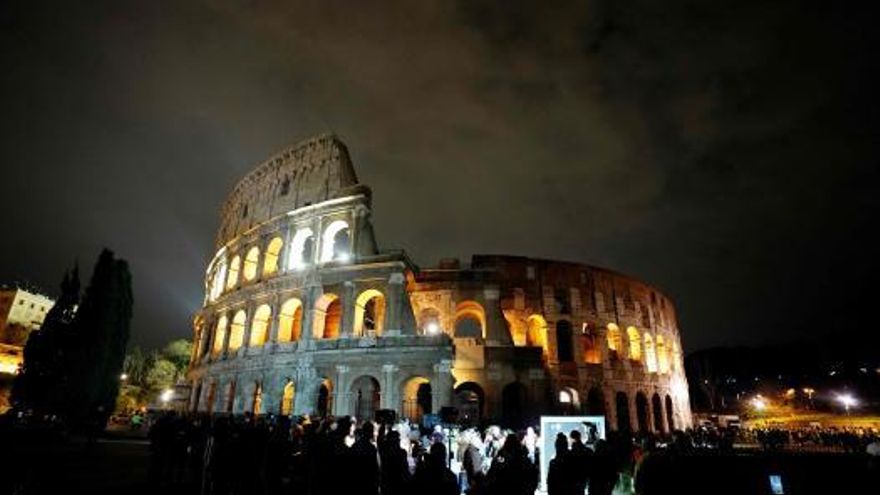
[(312, 171)]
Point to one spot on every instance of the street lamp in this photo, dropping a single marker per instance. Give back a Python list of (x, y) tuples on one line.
[(166, 396), (847, 400), (759, 403), (123, 376)]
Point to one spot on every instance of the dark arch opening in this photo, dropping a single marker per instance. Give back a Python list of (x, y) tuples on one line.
[(669, 416), (514, 398), (469, 398), (564, 350), (595, 402), (324, 400), (642, 411), (468, 326), (658, 413), (621, 407)]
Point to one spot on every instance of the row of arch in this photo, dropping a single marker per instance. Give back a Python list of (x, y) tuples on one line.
[(335, 245), (654, 352), (229, 334), (363, 398)]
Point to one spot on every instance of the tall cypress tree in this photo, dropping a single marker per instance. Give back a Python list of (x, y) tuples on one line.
[(102, 327)]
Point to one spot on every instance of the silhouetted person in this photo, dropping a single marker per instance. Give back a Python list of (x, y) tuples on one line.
[(581, 460), (511, 472), (394, 469), (561, 480), (364, 458), (432, 476), (604, 475)]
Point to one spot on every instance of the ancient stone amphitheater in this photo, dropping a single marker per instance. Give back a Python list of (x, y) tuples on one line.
[(304, 314)]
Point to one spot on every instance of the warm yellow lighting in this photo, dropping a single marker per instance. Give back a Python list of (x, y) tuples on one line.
[(167, 395), (432, 328), (759, 403)]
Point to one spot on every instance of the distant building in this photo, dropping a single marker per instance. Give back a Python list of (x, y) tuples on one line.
[(21, 312)]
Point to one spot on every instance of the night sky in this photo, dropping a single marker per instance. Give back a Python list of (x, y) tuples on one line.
[(725, 151)]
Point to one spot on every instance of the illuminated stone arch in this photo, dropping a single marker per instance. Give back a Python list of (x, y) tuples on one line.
[(260, 326), (470, 320), (219, 335), (290, 320), (416, 398), (302, 249), (327, 321), (287, 396), (429, 321), (219, 280), (324, 400), (621, 410), (615, 340), (273, 253), (369, 313), (662, 355), (635, 343), (657, 413), (251, 263), (536, 332), (234, 270), (336, 242), (650, 354), (236, 331), (595, 402), (592, 354), (257, 398), (469, 399), (642, 412), (365, 395), (569, 400)]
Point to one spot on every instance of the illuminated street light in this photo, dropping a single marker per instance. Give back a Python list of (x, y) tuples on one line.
[(432, 328), (123, 376), (847, 400), (759, 403), (167, 395)]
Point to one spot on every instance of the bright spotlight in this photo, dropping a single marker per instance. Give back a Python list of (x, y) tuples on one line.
[(432, 328), (759, 403), (167, 395), (123, 376), (847, 400)]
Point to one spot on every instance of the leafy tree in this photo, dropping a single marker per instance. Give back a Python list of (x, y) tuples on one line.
[(178, 352), (162, 374)]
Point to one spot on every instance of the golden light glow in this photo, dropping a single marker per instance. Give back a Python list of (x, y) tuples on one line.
[(220, 335), (251, 262), (615, 342), (234, 268), (273, 251), (536, 334), (472, 310), (650, 354), (236, 331), (635, 344), (260, 326), (290, 320), (662, 355), (363, 321), (287, 399)]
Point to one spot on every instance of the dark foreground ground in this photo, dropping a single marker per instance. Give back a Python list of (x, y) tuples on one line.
[(121, 465)]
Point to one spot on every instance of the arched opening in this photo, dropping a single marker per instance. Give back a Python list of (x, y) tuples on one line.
[(635, 344), (236, 331), (615, 341), (470, 320), (564, 350), (670, 418), (642, 411), (366, 397), (369, 313), (257, 399), (251, 262), (569, 402), (260, 326), (536, 333), (219, 279), (212, 396), (514, 405), (325, 399), (429, 322), (336, 242), (290, 320), (595, 402), (650, 354), (302, 249), (234, 268), (621, 407), (469, 399), (287, 399), (329, 317), (662, 355), (417, 398), (220, 335), (657, 410), (591, 352), (273, 251)]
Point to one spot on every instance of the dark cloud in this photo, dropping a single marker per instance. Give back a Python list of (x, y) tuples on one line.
[(724, 151)]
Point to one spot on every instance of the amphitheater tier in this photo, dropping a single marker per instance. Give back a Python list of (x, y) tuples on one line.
[(303, 314)]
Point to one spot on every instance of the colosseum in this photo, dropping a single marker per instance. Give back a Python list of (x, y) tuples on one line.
[(304, 314)]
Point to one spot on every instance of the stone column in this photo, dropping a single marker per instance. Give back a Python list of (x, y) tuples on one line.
[(194, 396), (306, 384), (389, 394), (273, 322), (441, 386), (496, 326), (311, 293), (394, 306), (248, 322), (610, 408), (633, 412), (271, 395), (224, 352), (348, 303), (341, 399)]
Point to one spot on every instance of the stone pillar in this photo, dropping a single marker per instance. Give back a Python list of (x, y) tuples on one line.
[(224, 352), (311, 293), (271, 399), (441, 386), (610, 398), (633, 411), (306, 383), (348, 303), (195, 396), (394, 306), (248, 322), (389, 391), (496, 326), (273, 322), (341, 398)]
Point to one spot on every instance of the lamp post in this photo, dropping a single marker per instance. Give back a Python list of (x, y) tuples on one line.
[(847, 400)]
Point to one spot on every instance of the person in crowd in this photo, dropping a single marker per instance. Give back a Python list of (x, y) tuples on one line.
[(581, 460), (364, 463), (511, 472), (561, 476), (432, 476), (394, 466)]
